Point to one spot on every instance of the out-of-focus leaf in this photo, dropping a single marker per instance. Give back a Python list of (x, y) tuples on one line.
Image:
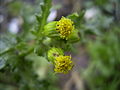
[(40, 65), (6, 42), (15, 7), (101, 2), (105, 60), (2, 62), (77, 18)]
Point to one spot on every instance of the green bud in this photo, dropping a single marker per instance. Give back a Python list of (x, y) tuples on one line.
[(53, 53), (50, 29)]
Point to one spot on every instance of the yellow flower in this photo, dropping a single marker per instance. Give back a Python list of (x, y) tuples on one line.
[(65, 27), (63, 64)]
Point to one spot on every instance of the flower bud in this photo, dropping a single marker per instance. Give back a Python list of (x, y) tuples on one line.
[(53, 53)]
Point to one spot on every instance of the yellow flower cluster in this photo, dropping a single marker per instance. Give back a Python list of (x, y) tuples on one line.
[(64, 27), (63, 64)]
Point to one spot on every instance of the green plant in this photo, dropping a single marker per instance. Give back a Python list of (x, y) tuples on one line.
[(25, 58), (103, 72)]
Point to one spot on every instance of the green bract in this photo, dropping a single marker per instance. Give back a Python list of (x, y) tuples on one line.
[(53, 53), (74, 37), (50, 29)]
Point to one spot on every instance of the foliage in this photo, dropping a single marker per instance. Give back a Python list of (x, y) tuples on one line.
[(103, 72), (24, 60), (22, 64)]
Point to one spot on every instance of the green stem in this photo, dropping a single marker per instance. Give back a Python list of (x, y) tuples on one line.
[(27, 52), (44, 15), (12, 49)]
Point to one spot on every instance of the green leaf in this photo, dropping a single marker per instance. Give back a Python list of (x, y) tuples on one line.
[(40, 64), (2, 62), (74, 37), (77, 18), (6, 43)]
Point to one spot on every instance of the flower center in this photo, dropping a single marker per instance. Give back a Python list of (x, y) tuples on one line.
[(64, 27), (63, 64)]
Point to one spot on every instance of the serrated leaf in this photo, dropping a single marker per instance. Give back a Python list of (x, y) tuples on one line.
[(42, 17), (73, 16), (77, 18), (2, 62), (38, 17)]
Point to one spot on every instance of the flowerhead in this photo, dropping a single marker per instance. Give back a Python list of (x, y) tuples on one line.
[(53, 53), (65, 27), (63, 64)]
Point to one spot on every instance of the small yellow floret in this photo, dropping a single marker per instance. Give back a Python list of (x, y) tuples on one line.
[(65, 27), (63, 64)]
